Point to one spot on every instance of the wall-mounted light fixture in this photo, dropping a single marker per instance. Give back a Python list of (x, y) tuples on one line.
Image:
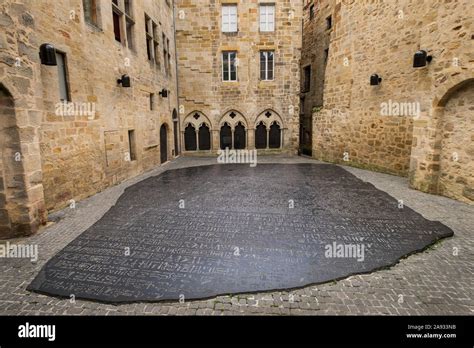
[(124, 81), (421, 59), (164, 93), (48, 55), (375, 80)]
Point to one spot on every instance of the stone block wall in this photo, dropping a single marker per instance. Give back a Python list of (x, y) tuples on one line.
[(316, 40), (397, 126), (67, 157)]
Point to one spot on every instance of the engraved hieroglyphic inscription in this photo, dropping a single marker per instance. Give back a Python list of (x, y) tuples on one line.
[(235, 234)]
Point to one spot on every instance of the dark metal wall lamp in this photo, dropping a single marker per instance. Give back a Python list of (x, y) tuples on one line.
[(421, 59), (164, 93), (124, 81), (375, 80), (48, 55)]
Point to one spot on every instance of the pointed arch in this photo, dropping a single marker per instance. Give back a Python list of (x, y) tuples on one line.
[(233, 117), (225, 136), (197, 118), (19, 216), (197, 132), (268, 117)]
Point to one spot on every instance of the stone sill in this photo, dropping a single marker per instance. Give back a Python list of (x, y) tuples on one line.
[(150, 147)]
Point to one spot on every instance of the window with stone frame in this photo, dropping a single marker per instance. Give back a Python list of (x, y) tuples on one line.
[(123, 22), (229, 66), (117, 15), (307, 78), (129, 24), (63, 78), (156, 44), (166, 54), (229, 18), (91, 12), (152, 41), (267, 65), (267, 17)]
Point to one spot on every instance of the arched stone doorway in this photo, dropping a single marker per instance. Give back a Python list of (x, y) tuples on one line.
[(261, 136), (455, 136), (190, 143), (269, 131), (274, 138), (164, 143), (197, 132), (240, 138), (21, 193), (226, 136), (175, 132), (204, 137)]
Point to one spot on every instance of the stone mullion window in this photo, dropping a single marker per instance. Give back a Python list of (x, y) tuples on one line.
[(117, 14), (149, 38), (129, 24), (152, 41), (165, 53), (168, 57), (156, 44)]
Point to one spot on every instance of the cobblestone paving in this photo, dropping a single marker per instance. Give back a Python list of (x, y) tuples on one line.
[(438, 281)]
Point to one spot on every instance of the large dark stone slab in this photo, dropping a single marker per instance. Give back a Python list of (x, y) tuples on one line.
[(236, 233)]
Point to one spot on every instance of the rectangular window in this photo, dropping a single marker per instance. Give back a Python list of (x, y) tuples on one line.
[(229, 66), (117, 20), (229, 18), (149, 38), (326, 55), (329, 22), (62, 76), (267, 17), (156, 44), (267, 65), (307, 78), (152, 41), (132, 145), (311, 12), (168, 57), (130, 24), (91, 12), (152, 101), (166, 54)]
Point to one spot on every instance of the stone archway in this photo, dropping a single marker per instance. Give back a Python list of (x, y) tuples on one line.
[(455, 143), (442, 153), (175, 133), (19, 201), (197, 132), (164, 143)]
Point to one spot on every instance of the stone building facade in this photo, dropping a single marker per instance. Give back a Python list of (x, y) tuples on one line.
[(71, 130), (238, 64), (124, 95), (417, 122), (317, 29)]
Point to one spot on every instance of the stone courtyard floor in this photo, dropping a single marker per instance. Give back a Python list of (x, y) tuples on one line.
[(438, 281)]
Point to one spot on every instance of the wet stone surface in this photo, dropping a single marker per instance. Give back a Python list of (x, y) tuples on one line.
[(204, 231)]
